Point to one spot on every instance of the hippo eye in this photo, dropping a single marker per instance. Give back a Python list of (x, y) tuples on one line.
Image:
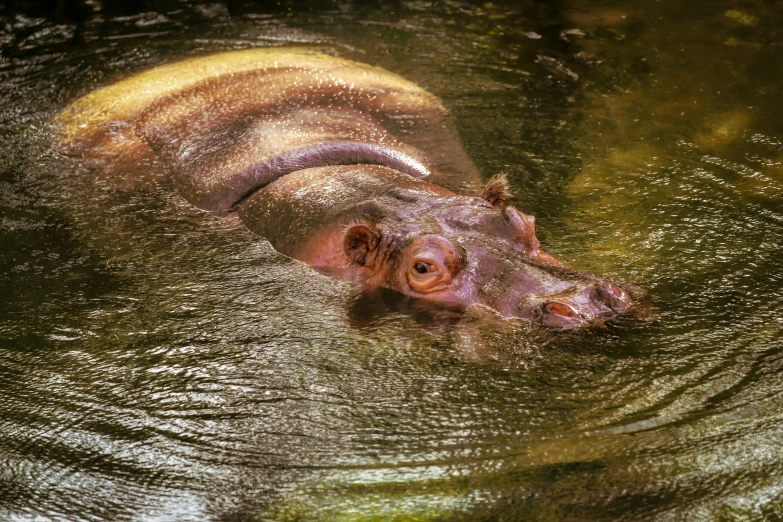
[(427, 273), (432, 263), (421, 268)]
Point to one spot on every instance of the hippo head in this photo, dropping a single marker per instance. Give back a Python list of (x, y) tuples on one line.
[(452, 252)]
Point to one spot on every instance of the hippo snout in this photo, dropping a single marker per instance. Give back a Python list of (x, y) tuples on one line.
[(592, 304)]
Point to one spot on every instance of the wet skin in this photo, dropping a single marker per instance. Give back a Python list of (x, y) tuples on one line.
[(327, 159)]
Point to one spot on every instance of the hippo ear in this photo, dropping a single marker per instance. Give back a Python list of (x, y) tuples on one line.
[(525, 226), (496, 191), (359, 241)]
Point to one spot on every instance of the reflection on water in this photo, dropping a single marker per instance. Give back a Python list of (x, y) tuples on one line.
[(157, 362)]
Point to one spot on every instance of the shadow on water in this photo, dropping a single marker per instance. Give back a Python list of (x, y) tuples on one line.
[(157, 362)]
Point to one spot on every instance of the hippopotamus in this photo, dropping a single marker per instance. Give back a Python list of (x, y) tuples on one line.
[(341, 165)]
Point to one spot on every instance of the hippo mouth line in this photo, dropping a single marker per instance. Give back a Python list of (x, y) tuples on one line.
[(323, 154)]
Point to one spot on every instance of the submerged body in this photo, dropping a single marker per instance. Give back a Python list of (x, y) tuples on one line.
[(343, 166)]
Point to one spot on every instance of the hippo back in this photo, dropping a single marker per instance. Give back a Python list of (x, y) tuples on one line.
[(228, 124)]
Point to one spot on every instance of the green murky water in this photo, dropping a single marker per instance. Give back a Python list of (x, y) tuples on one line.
[(160, 363)]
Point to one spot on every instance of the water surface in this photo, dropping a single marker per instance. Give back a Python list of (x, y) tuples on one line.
[(161, 363)]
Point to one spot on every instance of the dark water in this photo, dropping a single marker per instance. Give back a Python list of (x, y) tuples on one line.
[(161, 363)]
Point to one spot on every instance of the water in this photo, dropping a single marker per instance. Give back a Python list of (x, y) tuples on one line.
[(161, 363)]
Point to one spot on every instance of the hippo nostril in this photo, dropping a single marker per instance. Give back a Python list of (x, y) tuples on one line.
[(559, 315), (613, 297), (560, 309)]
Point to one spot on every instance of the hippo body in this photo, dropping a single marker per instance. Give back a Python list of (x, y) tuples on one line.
[(343, 166)]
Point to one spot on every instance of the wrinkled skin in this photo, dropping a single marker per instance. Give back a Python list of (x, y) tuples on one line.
[(327, 159)]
